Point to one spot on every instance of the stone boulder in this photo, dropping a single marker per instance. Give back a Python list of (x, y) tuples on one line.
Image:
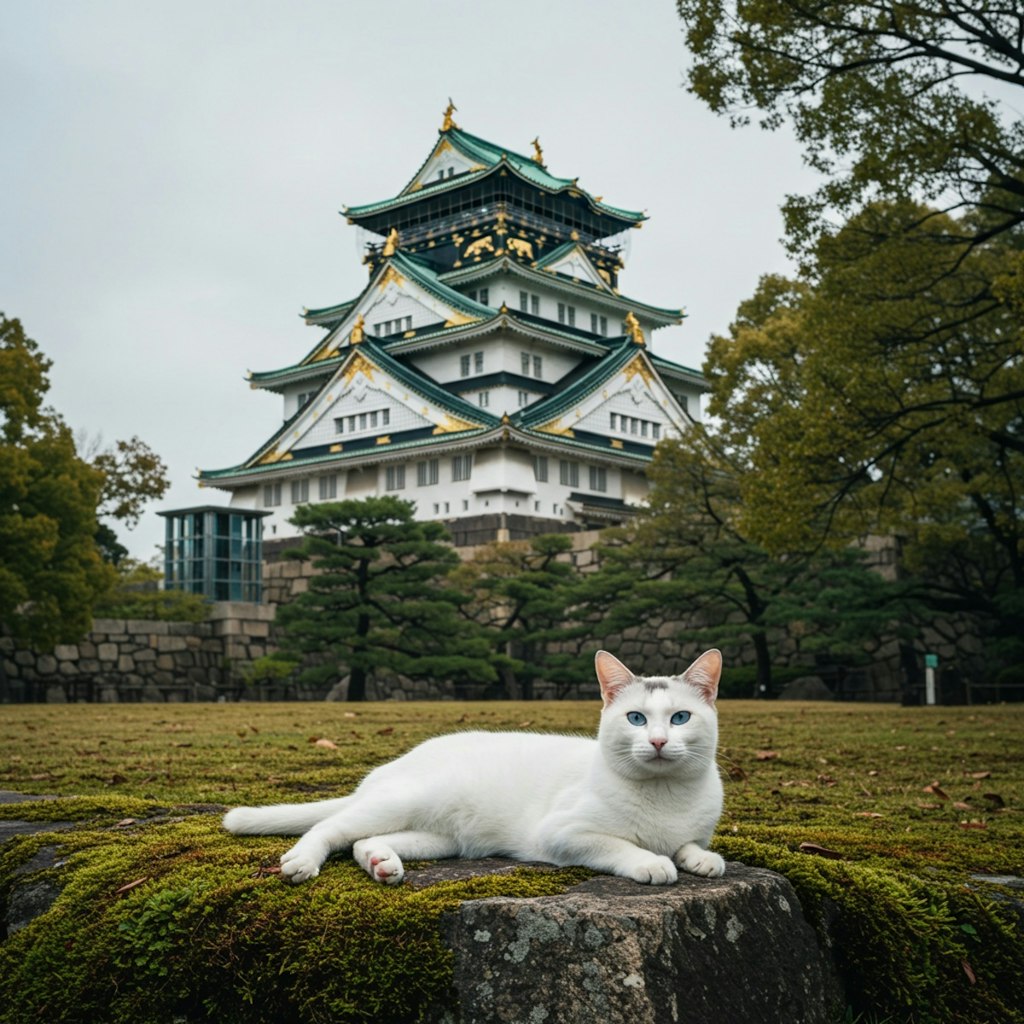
[(735, 949)]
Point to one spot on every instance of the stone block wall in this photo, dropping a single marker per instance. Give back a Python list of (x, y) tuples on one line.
[(136, 660)]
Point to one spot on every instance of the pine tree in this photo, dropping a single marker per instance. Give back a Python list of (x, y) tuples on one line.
[(379, 603)]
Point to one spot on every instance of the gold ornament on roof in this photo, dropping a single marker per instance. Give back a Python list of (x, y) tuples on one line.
[(390, 243), (538, 153), (357, 331), (633, 328), (449, 124)]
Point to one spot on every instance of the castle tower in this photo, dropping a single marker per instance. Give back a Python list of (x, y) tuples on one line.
[(491, 371)]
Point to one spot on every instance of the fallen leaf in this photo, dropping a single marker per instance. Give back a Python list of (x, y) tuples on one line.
[(386, 731), (978, 775), (125, 822), (971, 977), (766, 755), (115, 780), (995, 799), (973, 823), (820, 851), (349, 714), (928, 807), (867, 814), (130, 886), (326, 744), (961, 806), (935, 790), (526, 724), (266, 869)]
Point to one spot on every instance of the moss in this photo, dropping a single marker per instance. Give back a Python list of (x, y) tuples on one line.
[(179, 920)]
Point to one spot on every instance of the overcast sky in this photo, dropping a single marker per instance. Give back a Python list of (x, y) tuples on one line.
[(173, 171)]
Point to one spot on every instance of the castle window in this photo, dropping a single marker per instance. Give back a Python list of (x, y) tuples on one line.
[(426, 473), (271, 495), (598, 478), (535, 305), (568, 473), (524, 398), (462, 467), (538, 366), (540, 468), (524, 302), (566, 314), (328, 487), (484, 399), (394, 478), (598, 324), (485, 295), (362, 421), (300, 491), (478, 362), (304, 398), (526, 364)]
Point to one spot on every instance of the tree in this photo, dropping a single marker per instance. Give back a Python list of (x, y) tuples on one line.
[(687, 556), (50, 569), (379, 603), (885, 385), (133, 474), (520, 592), (890, 100), (881, 396)]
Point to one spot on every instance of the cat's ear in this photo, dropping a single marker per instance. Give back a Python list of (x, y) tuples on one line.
[(612, 675), (705, 673)]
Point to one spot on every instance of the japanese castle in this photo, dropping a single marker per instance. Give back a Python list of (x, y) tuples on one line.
[(491, 371)]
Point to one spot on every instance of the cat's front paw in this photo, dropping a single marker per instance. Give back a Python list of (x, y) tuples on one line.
[(379, 861), (696, 860), (300, 864), (653, 870)]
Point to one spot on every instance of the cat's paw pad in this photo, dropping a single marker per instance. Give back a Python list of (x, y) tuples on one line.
[(696, 860), (298, 865), (380, 862), (654, 871)]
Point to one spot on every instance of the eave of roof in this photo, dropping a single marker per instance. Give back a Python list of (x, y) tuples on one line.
[(504, 264)]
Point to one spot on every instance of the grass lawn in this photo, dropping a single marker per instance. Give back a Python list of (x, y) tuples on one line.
[(879, 815)]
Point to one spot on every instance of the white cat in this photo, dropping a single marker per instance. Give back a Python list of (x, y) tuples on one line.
[(640, 801)]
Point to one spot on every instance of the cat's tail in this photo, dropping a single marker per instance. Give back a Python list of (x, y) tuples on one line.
[(280, 819)]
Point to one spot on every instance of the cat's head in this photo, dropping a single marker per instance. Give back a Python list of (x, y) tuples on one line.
[(659, 726)]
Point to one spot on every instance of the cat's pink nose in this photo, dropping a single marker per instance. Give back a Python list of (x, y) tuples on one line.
[(658, 743)]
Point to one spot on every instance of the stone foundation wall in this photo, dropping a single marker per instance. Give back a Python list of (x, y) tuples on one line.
[(143, 660)]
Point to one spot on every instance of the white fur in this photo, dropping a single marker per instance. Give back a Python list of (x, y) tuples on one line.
[(639, 801)]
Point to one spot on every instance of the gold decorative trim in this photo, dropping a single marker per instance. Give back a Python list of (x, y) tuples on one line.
[(391, 276), (555, 427), (335, 448), (359, 364), (637, 367), (452, 425), (458, 319), (384, 439), (616, 443)]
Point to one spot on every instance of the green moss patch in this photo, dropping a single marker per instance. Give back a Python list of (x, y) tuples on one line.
[(878, 815), (179, 920)]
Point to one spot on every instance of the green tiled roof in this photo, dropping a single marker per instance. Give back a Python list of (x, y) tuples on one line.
[(491, 157), (413, 380), (589, 380), (494, 267)]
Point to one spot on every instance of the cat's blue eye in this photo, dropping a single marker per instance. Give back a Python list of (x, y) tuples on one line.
[(635, 718), (680, 718)]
